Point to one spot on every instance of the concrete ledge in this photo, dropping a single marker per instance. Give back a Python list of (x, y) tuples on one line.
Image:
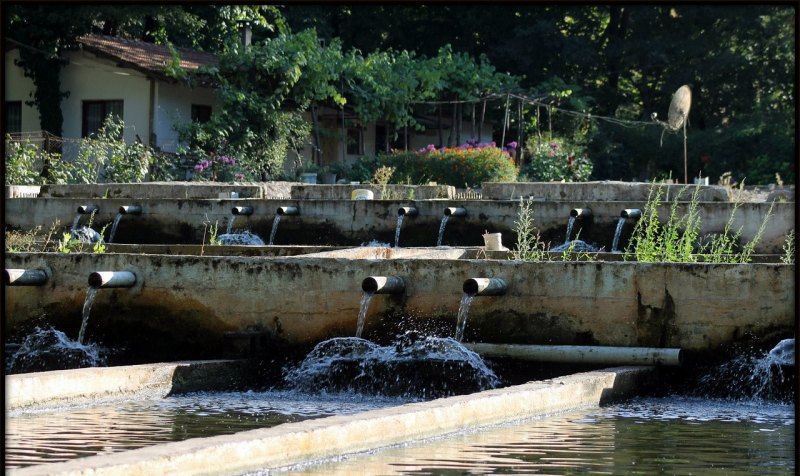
[(79, 386), (174, 190), (604, 191), (300, 442), (22, 191), (395, 192)]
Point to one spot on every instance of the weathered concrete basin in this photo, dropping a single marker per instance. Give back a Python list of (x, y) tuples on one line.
[(352, 222), (607, 190), (182, 305)]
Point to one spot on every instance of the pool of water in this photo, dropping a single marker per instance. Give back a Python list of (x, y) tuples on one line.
[(55, 435), (674, 435)]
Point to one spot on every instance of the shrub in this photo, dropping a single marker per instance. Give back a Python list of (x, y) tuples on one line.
[(467, 165), (556, 161), (23, 162)]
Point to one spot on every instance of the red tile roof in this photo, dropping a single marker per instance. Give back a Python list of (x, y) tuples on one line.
[(146, 57)]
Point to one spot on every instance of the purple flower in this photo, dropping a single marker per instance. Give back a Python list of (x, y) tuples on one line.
[(239, 176), (198, 168), (512, 145)]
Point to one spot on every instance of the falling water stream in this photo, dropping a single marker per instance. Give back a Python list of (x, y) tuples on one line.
[(87, 308), (441, 230), (617, 233), (75, 221), (230, 224), (570, 224), (397, 231), (274, 228), (114, 225), (362, 313), (463, 312)]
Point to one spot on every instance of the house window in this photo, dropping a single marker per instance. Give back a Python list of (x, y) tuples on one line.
[(201, 113), (353, 141), (13, 117), (96, 112)]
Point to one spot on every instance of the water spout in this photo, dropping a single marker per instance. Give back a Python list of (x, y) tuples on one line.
[(112, 279), (130, 210), (485, 286), (383, 285), (275, 222), (288, 211), (455, 211), (408, 211), (632, 213), (441, 229), (87, 209), (617, 233), (397, 230), (580, 212), (245, 211), (25, 277)]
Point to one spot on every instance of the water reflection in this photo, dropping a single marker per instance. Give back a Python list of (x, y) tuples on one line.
[(57, 435), (646, 436)]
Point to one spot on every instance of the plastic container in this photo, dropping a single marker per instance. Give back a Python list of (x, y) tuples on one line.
[(362, 194)]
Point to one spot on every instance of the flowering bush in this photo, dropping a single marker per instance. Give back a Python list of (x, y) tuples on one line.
[(553, 161), (217, 168), (467, 165)]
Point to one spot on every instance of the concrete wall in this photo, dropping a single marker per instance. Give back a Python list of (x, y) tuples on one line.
[(174, 106), (18, 88), (353, 222), (594, 191), (182, 305)]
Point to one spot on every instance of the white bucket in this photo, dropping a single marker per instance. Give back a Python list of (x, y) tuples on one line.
[(701, 180), (362, 194), (494, 242)]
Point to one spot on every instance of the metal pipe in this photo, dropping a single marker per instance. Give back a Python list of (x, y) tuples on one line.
[(485, 286), (582, 354), (112, 279), (580, 212), (455, 211), (633, 213), (130, 210), (383, 285), (288, 211), (408, 211), (25, 277), (247, 211), (87, 209)]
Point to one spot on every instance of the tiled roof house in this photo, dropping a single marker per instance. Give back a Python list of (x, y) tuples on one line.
[(121, 76)]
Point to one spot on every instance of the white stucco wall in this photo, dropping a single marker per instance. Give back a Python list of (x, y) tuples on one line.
[(175, 107), (88, 78), (19, 88)]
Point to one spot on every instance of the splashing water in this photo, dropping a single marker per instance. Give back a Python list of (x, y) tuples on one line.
[(86, 235), (441, 230), (377, 244), (576, 246), (230, 224), (463, 312), (87, 308), (244, 238), (415, 366), (752, 375), (617, 233), (75, 221), (362, 313), (397, 230), (51, 349), (570, 224), (114, 225), (274, 228)]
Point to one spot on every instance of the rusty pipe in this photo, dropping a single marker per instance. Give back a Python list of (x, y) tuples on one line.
[(383, 285), (485, 286), (288, 211), (25, 277), (112, 279)]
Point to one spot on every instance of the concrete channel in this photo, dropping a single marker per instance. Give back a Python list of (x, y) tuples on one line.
[(311, 440)]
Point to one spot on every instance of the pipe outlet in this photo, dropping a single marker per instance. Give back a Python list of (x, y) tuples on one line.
[(288, 211), (247, 211), (455, 211), (25, 277), (112, 279), (130, 210), (580, 212), (408, 211), (485, 286), (383, 285), (87, 209), (632, 213)]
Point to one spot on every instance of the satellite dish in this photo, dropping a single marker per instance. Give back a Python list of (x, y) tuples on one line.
[(679, 108)]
